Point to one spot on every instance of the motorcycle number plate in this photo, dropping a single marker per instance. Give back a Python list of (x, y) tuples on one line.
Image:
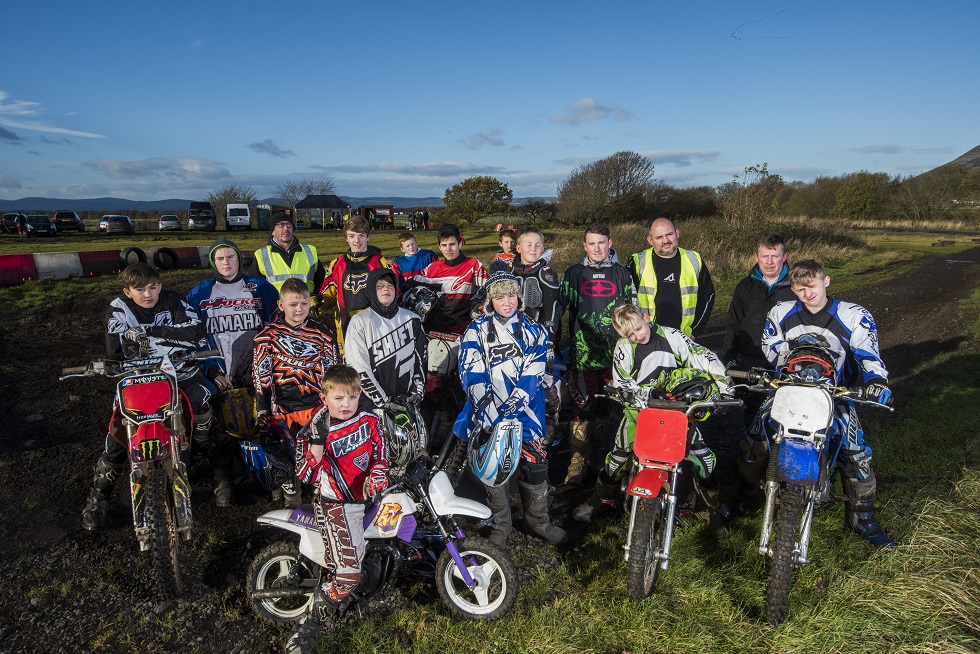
[(661, 435), (143, 398)]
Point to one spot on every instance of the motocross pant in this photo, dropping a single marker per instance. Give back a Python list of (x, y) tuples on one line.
[(342, 528)]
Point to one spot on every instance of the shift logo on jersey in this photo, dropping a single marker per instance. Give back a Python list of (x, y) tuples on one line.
[(504, 352), (355, 282), (346, 444), (392, 343), (599, 288)]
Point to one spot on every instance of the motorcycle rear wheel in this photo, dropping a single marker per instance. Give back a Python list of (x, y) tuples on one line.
[(783, 563), (280, 566), (492, 569), (161, 518), (646, 544)]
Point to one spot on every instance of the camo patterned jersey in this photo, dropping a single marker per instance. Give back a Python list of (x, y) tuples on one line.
[(590, 292)]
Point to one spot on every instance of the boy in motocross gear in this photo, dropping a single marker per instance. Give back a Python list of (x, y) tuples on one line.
[(455, 279), (145, 308), (589, 291), (412, 261), (343, 452), (346, 279), (290, 358), (501, 363), (386, 344), (502, 260), (848, 331), (234, 307), (652, 359)]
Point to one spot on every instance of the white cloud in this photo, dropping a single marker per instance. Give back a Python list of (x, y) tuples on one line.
[(492, 137), (888, 148), (587, 110), (21, 114), (172, 167)]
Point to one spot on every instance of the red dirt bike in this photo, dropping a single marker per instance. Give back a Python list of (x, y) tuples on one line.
[(659, 447), (158, 421)]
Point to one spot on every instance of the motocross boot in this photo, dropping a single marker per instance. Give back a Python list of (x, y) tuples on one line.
[(536, 518), (860, 510), (103, 481), (752, 462), (602, 500), (578, 438), (499, 499), (224, 494), (292, 493)]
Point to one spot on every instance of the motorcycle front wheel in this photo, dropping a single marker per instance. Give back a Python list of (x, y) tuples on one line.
[(492, 570), (279, 567), (161, 518), (646, 545), (784, 562)]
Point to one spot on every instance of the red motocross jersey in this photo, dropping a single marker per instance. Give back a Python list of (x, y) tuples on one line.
[(454, 282), (355, 449)]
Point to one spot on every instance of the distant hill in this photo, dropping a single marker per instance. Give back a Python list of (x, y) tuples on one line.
[(968, 161)]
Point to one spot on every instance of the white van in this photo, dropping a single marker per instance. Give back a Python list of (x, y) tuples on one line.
[(238, 216)]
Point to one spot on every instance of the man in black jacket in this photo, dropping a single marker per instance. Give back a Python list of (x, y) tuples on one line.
[(766, 285)]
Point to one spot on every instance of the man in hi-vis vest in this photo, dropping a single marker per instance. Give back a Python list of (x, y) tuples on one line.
[(673, 285), (285, 257)]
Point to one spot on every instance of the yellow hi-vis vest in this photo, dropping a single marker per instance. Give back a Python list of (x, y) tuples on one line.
[(275, 270), (647, 293)]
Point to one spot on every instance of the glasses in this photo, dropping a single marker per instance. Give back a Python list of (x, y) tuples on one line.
[(284, 224)]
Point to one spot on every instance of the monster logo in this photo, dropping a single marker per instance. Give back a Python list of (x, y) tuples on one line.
[(149, 449)]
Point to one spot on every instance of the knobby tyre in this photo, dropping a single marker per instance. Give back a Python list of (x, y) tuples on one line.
[(646, 545), (280, 567), (783, 563), (161, 518), (495, 575)]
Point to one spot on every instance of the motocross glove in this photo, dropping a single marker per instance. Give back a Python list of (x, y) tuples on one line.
[(878, 392), (377, 481), (134, 334), (263, 420)]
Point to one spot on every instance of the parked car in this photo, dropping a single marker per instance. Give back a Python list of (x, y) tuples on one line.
[(103, 223), (169, 221), (9, 223), (66, 220), (119, 225), (200, 215), (238, 216), (41, 225)]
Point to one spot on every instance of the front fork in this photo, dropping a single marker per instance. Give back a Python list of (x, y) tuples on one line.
[(176, 473), (802, 546)]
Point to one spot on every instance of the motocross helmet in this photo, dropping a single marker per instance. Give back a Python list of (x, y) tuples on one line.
[(404, 439), (688, 385), (420, 300), (494, 456), (811, 363)]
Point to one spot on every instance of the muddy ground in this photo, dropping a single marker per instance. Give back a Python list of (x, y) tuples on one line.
[(64, 590)]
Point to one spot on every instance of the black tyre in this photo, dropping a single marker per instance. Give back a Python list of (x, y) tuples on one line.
[(783, 563), (124, 255), (492, 570), (280, 567), (166, 259), (646, 545), (161, 518)]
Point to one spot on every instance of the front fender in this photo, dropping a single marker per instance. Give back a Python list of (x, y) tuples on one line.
[(647, 483), (797, 462)]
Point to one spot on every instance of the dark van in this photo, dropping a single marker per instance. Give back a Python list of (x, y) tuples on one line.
[(200, 215)]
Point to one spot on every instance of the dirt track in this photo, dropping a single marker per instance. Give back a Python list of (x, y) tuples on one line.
[(67, 591)]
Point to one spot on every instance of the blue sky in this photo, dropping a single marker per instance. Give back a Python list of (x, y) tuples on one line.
[(155, 100)]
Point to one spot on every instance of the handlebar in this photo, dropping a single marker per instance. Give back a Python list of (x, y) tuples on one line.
[(112, 368), (762, 380)]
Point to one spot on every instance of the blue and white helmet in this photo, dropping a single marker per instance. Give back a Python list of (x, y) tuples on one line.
[(494, 456)]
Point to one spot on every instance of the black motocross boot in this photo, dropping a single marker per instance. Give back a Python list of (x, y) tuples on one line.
[(103, 481), (861, 511), (602, 500)]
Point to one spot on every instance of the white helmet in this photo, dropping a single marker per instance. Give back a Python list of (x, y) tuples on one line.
[(494, 456)]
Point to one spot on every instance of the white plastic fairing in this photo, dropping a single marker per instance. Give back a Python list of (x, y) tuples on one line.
[(446, 502), (802, 409), (310, 541)]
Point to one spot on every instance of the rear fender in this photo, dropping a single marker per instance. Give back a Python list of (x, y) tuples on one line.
[(302, 522), (446, 502), (647, 483), (797, 462)]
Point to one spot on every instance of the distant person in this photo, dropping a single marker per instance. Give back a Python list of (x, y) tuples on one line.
[(503, 259), (21, 225), (285, 257), (425, 220), (673, 287)]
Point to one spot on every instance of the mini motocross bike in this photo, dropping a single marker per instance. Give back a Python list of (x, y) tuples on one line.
[(410, 532), (801, 470), (659, 448), (158, 419)]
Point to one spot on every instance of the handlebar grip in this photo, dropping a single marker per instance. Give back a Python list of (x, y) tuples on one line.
[(77, 370), (739, 374), (664, 404), (207, 353)]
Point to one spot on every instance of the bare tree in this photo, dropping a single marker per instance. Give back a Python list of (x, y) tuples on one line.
[(613, 187), (293, 191), (221, 198)]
